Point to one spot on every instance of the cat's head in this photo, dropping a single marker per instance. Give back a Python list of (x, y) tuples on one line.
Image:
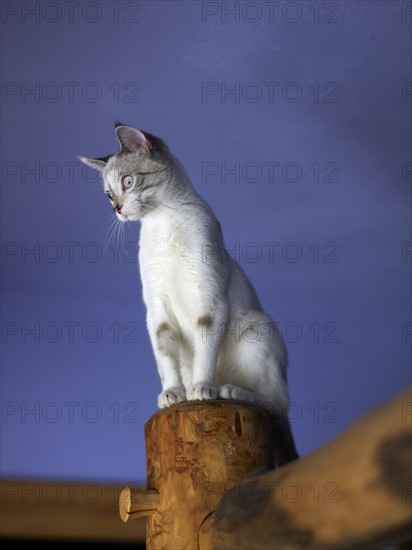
[(135, 179)]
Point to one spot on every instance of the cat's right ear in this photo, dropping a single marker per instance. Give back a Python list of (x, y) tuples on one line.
[(97, 164), (131, 139)]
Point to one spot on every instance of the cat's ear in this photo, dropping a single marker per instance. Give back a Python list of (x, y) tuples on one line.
[(97, 164), (131, 139)]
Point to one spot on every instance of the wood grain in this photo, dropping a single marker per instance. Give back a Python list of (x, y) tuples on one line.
[(196, 452), (355, 492)]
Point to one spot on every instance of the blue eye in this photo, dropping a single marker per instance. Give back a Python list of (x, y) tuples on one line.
[(128, 182)]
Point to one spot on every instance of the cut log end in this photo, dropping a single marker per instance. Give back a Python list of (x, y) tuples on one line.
[(124, 504), (136, 503)]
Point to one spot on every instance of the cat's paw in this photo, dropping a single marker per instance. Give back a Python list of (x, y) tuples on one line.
[(200, 392), (171, 396), (227, 391)]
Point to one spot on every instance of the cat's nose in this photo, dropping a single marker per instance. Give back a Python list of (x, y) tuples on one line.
[(117, 208)]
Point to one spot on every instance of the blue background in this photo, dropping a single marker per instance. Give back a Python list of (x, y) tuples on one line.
[(338, 278)]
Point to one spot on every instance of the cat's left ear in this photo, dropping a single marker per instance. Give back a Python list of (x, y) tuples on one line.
[(97, 164), (131, 139)]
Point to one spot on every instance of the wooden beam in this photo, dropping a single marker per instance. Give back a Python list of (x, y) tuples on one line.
[(355, 492), (64, 510)]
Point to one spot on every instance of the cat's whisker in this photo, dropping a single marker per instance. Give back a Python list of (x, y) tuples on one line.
[(123, 235), (128, 230), (118, 229), (115, 232), (110, 231), (117, 242), (122, 241)]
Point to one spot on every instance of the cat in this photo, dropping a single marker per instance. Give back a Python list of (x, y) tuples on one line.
[(210, 336)]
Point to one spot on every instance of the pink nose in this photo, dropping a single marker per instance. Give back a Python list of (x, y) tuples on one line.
[(118, 209)]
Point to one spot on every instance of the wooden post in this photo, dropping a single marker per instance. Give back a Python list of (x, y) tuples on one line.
[(196, 451)]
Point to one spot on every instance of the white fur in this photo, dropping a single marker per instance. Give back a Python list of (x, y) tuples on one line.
[(184, 279)]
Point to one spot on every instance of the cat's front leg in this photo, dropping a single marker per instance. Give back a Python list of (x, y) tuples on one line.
[(208, 339), (165, 342)]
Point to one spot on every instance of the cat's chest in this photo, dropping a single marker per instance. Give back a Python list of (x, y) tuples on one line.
[(159, 255), (166, 259)]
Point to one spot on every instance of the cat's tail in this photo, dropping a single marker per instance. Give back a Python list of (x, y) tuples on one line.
[(285, 449)]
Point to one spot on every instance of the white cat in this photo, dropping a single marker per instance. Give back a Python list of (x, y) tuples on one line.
[(210, 335)]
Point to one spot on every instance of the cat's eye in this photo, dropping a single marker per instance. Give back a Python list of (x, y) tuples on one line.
[(127, 182)]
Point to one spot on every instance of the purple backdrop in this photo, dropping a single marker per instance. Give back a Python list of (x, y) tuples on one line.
[(293, 120)]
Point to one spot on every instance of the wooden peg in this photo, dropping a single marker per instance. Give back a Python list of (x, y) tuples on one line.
[(135, 503)]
